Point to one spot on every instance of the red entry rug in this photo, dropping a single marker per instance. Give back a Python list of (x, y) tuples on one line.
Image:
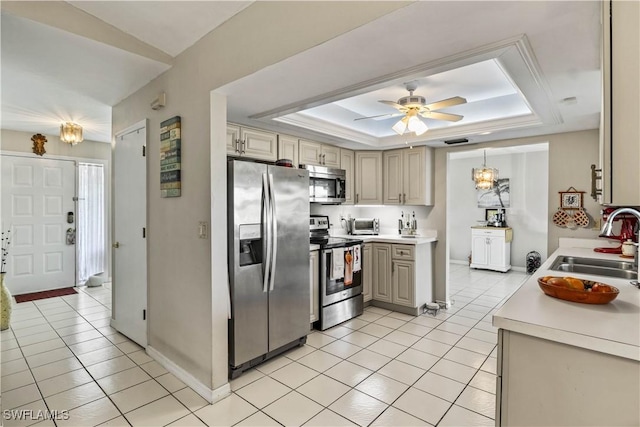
[(45, 294)]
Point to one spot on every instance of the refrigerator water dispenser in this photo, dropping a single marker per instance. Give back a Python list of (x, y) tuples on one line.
[(250, 245)]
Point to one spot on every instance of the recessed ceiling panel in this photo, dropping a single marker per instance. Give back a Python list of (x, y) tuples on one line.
[(489, 92)]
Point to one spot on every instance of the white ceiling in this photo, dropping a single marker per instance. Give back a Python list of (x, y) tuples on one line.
[(526, 55), (50, 75)]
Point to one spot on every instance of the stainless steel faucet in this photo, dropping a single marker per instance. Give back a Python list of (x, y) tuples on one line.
[(607, 229)]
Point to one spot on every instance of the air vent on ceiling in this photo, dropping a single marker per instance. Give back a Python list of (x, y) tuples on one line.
[(456, 141)]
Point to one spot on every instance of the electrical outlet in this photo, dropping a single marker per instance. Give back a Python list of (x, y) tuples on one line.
[(203, 229)]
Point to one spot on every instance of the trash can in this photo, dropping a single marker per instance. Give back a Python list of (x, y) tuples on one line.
[(533, 262)]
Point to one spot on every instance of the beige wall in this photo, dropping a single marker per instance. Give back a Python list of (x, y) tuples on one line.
[(21, 142), (570, 157), (185, 293)]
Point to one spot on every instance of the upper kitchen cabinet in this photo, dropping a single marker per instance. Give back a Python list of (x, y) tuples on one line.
[(347, 162), (620, 130), (315, 153), (288, 148), (253, 143), (368, 177), (408, 176)]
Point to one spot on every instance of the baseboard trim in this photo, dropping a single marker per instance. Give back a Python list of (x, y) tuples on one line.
[(210, 395), (458, 261)]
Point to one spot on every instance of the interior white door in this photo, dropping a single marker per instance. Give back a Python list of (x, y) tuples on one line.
[(129, 240), (37, 195)]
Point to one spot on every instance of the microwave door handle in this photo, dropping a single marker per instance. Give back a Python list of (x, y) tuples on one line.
[(266, 233), (274, 234)]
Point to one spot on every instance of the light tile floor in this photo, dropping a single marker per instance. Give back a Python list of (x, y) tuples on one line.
[(382, 369)]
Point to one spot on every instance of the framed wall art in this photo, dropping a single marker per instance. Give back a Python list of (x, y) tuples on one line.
[(571, 199)]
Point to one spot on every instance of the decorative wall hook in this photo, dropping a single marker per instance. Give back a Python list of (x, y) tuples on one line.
[(38, 144)]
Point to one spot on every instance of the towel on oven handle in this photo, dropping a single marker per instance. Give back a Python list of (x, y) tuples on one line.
[(357, 261), (337, 263)]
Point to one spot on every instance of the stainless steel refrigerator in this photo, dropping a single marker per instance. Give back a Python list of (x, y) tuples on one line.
[(268, 237)]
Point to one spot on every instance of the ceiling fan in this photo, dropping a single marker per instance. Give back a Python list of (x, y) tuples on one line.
[(413, 106)]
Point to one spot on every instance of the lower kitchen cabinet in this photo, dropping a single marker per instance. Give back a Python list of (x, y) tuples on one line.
[(491, 248), (382, 272), (546, 383), (402, 276), (314, 285), (367, 273), (403, 283)]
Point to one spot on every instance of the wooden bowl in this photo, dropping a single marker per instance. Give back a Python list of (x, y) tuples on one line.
[(577, 295)]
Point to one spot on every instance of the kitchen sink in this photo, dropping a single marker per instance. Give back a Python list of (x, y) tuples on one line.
[(598, 267)]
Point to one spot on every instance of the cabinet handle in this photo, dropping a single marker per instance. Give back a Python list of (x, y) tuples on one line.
[(399, 198), (237, 143), (324, 159), (596, 175), (243, 144), (357, 198), (404, 197)]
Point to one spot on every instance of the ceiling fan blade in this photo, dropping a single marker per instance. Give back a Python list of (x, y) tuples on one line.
[(379, 115), (441, 116), (449, 102), (393, 104)]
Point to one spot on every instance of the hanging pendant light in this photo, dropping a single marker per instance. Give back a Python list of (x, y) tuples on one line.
[(71, 133), (484, 177)]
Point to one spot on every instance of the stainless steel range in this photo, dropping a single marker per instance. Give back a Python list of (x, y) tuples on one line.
[(340, 274)]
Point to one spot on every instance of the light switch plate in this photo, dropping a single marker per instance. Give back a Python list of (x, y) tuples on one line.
[(203, 229)]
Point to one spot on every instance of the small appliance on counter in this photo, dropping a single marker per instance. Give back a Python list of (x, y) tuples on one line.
[(407, 225), (498, 220), (627, 227), (370, 226), (340, 274)]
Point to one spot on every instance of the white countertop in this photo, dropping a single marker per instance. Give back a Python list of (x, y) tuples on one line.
[(313, 247), (426, 236), (612, 328)]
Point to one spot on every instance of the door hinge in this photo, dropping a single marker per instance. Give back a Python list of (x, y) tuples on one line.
[(144, 151), (144, 314), (144, 232)]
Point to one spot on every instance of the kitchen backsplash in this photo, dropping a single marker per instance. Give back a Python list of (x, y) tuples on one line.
[(388, 215)]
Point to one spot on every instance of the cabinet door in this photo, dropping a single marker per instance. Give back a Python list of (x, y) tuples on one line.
[(258, 144), (403, 282), (625, 103), (347, 163), (330, 156), (369, 177), (310, 152), (288, 148), (414, 176), (479, 253), (392, 177), (233, 135), (496, 249), (382, 272), (314, 285), (367, 273)]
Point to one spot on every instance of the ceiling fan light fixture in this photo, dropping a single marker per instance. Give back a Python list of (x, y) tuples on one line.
[(401, 126), (416, 125), (71, 133)]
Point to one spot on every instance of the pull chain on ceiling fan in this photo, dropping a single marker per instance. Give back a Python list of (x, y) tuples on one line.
[(414, 107)]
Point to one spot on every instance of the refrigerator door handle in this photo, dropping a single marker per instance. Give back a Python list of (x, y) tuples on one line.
[(266, 233), (274, 233)]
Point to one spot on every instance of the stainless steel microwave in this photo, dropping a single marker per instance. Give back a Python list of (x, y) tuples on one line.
[(326, 185)]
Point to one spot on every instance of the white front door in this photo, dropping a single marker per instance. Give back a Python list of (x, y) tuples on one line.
[(37, 197), (130, 245)]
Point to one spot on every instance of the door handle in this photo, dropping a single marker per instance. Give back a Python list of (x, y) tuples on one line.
[(274, 233), (116, 245)]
